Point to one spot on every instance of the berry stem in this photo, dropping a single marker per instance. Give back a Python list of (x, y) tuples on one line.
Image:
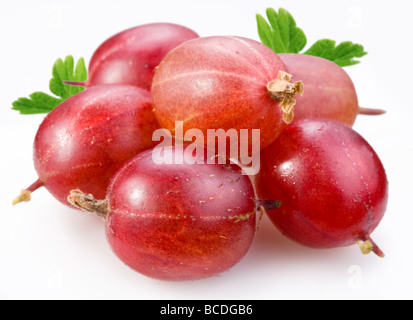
[(25, 195), (367, 245), (376, 249), (267, 204), (88, 203), (76, 83), (282, 90), (371, 111)]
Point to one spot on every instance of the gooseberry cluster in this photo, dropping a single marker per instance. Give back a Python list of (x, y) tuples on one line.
[(319, 181)]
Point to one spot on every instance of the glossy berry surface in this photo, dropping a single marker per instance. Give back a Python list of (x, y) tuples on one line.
[(180, 221), (332, 184), (329, 91), (87, 138), (220, 82), (131, 56)]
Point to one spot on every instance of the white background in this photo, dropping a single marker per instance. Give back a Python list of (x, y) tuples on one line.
[(49, 251)]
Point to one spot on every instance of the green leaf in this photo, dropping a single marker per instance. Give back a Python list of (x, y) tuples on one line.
[(265, 32), (63, 70), (281, 34), (66, 71), (39, 102), (344, 54)]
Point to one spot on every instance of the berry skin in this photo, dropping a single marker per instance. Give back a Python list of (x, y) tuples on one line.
[(88, 137), (131, 56), (229, 83), (331, 183), (329, 91), (177, 221)]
